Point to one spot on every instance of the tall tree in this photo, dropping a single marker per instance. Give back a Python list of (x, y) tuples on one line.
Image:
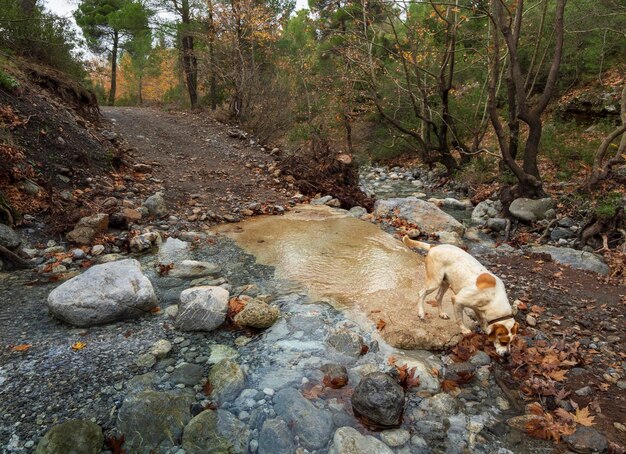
[(108, 25), (521, 104)]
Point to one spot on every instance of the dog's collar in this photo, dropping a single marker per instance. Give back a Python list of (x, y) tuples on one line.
[(499, 319)]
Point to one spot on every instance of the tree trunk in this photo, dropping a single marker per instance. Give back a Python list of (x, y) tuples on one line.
[(114, 68), (140, 89), (190, 63)]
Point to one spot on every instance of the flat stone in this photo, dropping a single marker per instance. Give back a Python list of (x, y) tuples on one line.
[(161, 348), (426, 215), (574, 258), (188, 269), (220, 352), (530, 210)]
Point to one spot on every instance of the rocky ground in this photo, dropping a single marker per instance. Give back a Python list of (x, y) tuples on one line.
[(246, 362)]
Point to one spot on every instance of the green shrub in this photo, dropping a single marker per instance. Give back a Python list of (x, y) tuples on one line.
[(7, 82), (607, 205)]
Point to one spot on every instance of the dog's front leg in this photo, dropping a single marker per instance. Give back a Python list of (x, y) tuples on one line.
[(458, 311)]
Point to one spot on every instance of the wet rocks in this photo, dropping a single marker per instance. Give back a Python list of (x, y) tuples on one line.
[(75, 436), (485, 210), (580, 260), (346, 342), (144, 242), (335, 375), (202, 308), (227, 380), (188, 269), (395, 437), (380, 399), (215, 432), (586, 440), (153, 419), (348, 440), (8, 237), (430, 218), (87, 228), (275, 438), (312, 425), (186, 374), (161, 348), (531, 210), (441, 404), (257, 314), (173, 250), (156, 205), (102, 294)]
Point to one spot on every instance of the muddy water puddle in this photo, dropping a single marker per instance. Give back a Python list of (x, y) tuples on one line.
[(352, 264)]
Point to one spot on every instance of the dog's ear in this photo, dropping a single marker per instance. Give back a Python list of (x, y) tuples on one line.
[(485, 280), (515, 328), (496, 331)]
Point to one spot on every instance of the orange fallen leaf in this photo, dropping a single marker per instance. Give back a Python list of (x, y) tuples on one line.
[(76, 346), (381, 325), (558, 375), (583, 417), (21, 348), (391, 360), (155, 310)]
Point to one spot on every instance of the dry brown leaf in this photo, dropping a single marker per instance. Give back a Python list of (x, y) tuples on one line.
[(381, 325), (583, 417), (21, 348)]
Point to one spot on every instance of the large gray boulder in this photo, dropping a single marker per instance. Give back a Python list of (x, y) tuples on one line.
[(152, 420), (426, 215), (312, 425), (580, 260), (102, 294), (348, 440), (216, 432), (202, 308), (8, 238), (380, 399), (72, 437), (531, 210)]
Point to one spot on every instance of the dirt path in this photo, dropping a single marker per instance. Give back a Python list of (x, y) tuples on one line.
[(192, 155)]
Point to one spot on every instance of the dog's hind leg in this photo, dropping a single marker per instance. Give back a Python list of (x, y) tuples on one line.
[(434, 281), (442, 290)]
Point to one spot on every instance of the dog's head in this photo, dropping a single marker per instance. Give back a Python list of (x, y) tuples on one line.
[(502, 334)]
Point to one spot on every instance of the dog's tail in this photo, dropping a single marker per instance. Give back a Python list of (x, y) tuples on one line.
[(415, 244)]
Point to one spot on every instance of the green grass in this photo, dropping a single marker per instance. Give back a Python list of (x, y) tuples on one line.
[(7, 82)]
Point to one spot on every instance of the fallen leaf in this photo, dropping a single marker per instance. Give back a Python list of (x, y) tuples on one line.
[(583, 417), (155, 310), (381, 325), (449, 386), (76, 346), (115, 444), (21, 348), (558, 375), (391, 360), (207, 389)]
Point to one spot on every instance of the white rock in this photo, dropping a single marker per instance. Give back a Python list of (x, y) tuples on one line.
[(193, 268), (202, 308), (102, 294)]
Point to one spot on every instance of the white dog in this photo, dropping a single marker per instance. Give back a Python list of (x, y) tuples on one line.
[(474, 287)]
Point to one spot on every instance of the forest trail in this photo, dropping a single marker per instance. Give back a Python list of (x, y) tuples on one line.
[(191, 154)]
